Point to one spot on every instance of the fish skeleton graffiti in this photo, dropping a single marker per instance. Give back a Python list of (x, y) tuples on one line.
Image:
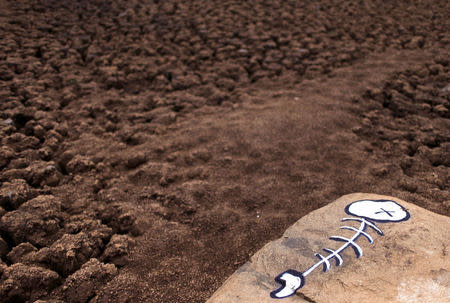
[(366, 212)]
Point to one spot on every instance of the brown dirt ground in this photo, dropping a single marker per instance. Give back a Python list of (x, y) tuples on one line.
[(148, 148)]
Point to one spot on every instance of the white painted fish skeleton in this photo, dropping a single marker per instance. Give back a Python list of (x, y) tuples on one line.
[(366, 211)]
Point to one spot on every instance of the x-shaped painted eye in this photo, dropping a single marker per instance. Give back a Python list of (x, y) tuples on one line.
[(388, 212)]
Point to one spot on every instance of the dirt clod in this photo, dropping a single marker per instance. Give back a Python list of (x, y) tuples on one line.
[(14, 193), (82, 285), (118, 249), (70, 252), (37, 221), (20, 282), (19, 253)]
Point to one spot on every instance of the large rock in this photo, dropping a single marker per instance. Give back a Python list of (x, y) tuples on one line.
[(410, 263)]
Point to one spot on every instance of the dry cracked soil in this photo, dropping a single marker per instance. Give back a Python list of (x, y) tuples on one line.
[(148, 148)]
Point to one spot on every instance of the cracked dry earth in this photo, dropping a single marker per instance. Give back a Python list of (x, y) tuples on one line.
[(148, 148)]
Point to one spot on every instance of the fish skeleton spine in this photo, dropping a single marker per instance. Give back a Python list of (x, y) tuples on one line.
[(292, 280)]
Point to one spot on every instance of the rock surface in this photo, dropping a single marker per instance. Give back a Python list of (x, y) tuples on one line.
[(410, 263)]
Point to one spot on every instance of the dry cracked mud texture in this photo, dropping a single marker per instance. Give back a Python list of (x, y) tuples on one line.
[(147, 148)]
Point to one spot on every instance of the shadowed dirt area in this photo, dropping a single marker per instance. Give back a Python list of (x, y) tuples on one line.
[(148, 148)]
